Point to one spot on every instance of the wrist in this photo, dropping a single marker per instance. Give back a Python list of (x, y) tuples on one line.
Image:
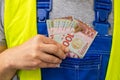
[(7, 71), (5, 61)]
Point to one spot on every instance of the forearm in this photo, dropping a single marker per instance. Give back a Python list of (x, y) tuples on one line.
[(6, 74), (6, 71)]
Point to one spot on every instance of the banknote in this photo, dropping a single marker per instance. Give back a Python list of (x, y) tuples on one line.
[(60, 26), (79, 41), (72, 33)]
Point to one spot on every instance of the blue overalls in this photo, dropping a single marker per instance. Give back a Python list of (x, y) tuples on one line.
[(94, 65)]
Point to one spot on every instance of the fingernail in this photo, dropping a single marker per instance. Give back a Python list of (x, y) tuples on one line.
[(58, 65), (67, 49)]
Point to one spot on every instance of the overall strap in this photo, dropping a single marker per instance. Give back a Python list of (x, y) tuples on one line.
[(102, 10), (43, 9)]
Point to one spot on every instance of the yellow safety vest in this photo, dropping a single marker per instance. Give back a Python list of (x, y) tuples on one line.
[(20, 25), (113, 72)]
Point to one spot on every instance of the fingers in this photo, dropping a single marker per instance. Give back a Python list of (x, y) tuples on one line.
[(53, 50), (47, 52), (52, 47), (49, 58), (47, 40), (64, 48)]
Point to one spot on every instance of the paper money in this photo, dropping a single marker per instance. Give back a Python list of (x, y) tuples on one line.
[(78, 43), (72, 33)]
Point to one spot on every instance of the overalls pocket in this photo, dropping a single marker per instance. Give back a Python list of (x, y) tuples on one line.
[(75, 69)]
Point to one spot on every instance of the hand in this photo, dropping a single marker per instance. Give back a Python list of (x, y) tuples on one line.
[(38, 52)]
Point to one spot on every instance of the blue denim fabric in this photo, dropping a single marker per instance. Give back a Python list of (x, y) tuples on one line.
[(92, 67)]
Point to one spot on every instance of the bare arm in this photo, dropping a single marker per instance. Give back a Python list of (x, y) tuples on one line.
[(6, 72), (38, 52)]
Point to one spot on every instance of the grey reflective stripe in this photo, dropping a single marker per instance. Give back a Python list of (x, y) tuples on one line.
[(1, 10), (2, 36)]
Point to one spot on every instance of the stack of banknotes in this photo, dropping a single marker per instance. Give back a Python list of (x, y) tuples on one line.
[(72, 33)]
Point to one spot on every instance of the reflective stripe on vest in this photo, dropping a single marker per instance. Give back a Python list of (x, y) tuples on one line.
[(20, 25)]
